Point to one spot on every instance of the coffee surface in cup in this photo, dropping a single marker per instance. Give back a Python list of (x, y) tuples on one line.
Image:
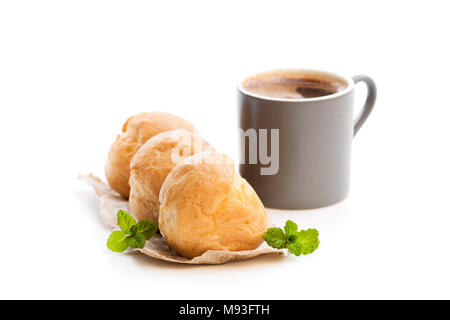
[(292, 85)]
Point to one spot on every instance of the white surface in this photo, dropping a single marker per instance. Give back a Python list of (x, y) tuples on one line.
[(72, 72)]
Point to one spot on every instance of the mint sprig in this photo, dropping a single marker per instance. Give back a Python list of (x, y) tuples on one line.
[(132, 235), (297, 242)]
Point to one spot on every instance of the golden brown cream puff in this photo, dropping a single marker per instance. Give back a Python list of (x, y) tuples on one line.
[(135, 132), (153, 162), (207, 205)]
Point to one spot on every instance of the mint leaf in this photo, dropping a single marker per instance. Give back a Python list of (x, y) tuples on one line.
[(125, 221), (295, 248), (309, 240), (147, 227), (275, 238), (117, 242), (136, 241), (290, 227)]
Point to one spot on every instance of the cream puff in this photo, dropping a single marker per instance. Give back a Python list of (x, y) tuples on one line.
[(207, 205), (153, 162), (135, 132)]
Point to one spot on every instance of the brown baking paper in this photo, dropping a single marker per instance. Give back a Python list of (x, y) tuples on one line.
[(109, 202)]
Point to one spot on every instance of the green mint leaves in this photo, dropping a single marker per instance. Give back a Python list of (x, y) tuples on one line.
[(297, 242), (132, 235)]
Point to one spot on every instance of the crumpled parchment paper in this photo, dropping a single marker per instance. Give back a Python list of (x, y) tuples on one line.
[(109, 202)]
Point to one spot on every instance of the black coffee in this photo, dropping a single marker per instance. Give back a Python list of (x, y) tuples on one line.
[(291, 86)]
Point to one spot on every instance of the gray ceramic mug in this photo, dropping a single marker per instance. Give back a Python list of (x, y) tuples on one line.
[(310, 138)]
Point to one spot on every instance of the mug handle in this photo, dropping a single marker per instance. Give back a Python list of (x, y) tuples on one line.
[(368, 105)]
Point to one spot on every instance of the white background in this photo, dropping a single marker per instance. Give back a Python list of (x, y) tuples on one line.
[(71, 72)]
